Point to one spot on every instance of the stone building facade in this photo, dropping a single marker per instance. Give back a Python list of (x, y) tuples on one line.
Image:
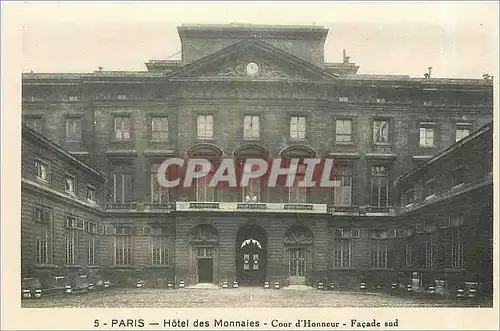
[(252, 91)]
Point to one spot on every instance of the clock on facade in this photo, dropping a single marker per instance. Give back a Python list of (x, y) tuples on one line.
[(252, 68)]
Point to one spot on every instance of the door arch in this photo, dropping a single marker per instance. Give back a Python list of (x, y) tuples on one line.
[(298, 243), (251, 255)]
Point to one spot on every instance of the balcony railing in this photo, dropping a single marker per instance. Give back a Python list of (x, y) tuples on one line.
[(122, 205), (361, 210), (310, 208), (160, 206)]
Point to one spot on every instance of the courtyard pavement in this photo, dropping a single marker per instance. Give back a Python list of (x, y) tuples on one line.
[(241, 297)]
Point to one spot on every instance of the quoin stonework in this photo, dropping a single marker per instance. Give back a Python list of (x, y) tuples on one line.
[(411, 157)]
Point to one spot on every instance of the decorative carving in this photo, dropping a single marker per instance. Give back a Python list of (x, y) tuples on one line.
[(298, 235), (266, 70), (204, 233)]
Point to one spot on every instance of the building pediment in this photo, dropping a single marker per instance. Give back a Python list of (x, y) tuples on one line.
[(251, 60)]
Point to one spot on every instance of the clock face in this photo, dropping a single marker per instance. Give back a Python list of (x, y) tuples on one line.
[(252, 68)]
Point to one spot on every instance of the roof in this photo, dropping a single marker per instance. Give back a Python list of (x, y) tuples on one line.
[(479, 132), (28, 132)]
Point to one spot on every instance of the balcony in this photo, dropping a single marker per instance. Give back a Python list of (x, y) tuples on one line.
[(300, 208), (361, 211), (166, 206)]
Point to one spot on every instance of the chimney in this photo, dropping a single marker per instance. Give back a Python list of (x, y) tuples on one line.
[(345, 57), (430, 72)]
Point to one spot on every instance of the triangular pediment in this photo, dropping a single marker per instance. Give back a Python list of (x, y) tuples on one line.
[(251, 60)]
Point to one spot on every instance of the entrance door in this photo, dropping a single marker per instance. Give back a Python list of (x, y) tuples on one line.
[(205, 264), (205, 270), (297, 266)]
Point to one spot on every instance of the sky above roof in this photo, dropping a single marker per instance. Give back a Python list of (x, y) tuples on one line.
[(457, 39)]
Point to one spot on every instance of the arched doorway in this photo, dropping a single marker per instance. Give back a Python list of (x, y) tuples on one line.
[(203, 254), (251, 255), (298, 244)]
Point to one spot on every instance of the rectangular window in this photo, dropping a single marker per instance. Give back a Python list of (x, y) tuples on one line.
[(71, 246), (91, 250), (380, 186), (462, 131), (70, 184), (427, 132), (73, 129), (159, 250), (42, 242), (122, 127), (343, 131), (409, 196), (297, 127), (42, 170), (205, 127), (378, 253), (90, 193), (380, 132), (121, 96), (343, 99), (342, 253), (122, 187), (297, 194), (73, 97), (342, 194), (429, 188), (159, 194), (430, 247), (457, 248), (457, 176), (251, 193), (159, 128), (123, 246), (408, 253), (251, 127), (204, 193), (35, 123)]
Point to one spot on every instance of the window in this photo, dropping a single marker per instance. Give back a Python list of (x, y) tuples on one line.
[(298, 127), (122, 187), (457, 176), (205, 126), (297, 194), (251, 127), (71, 245), (204, 193), (427, 134), (73, 97), (122, 127), (409, 197), (42, 218), (429, 188), (380, 186), (430, 245), (342, 194), (35, 123), (343, 131), (457, 248), (121, 97), (42, 170), (408, 253), (90, 193), (342, 248), (462, 131), (123, 245), (378, 253), (380, 132), (159, 128), (92, 250), (159, 250), (343, 99), (204, 252), (251, 193), (73, 129), (159, 194), (69, 184)]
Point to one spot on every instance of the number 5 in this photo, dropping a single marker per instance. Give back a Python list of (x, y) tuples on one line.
[(96, 323)]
